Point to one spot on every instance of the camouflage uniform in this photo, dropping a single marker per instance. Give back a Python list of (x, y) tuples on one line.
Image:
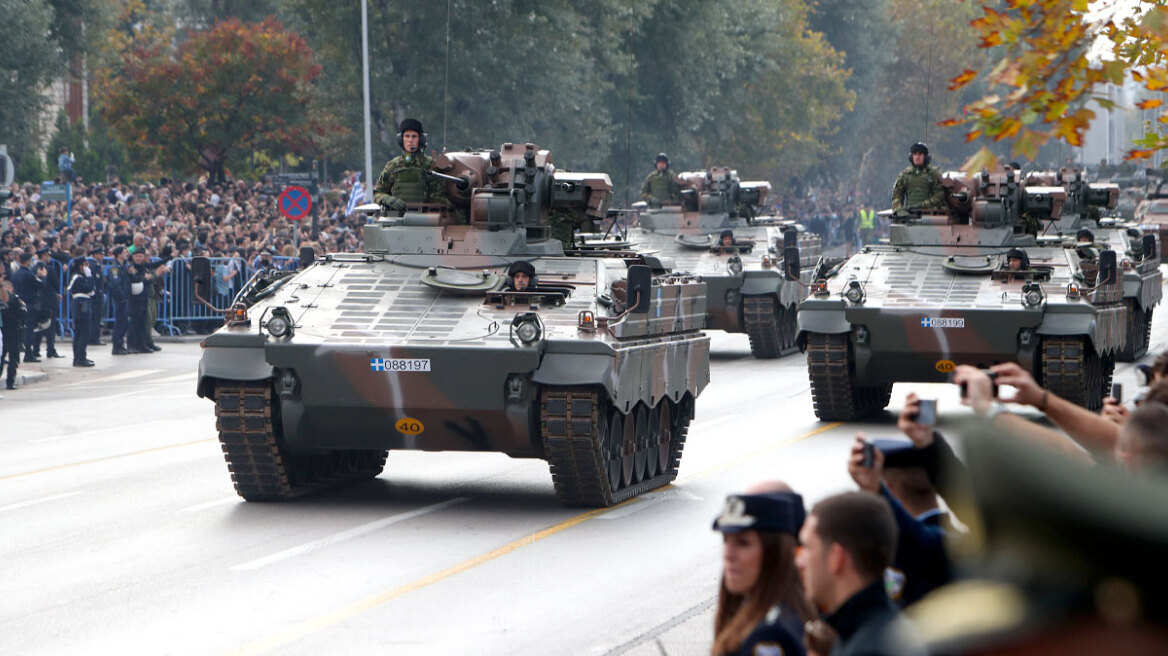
[(661, 187), (918, 188), (407, 177), (564, 224)]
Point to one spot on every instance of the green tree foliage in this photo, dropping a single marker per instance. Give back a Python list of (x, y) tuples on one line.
[(28, 61), (1051, 60), (604, 84), (218, 96)]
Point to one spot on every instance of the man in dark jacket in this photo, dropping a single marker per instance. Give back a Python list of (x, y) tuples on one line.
[(848, 540), (28, 286)]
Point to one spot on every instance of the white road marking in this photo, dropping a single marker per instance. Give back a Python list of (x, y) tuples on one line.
[(212, 504), (33, 502), (123, 427), (125, 375), (336, 538), (178, 379), (714, 421)]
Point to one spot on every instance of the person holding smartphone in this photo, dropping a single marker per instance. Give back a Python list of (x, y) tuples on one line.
[(894, 469)]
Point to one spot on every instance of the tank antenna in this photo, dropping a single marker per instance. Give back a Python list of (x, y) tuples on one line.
[(446, 83), (928, 85), (629, 118)]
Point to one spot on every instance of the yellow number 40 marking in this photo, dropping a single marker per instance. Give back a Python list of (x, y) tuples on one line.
[(945, 366), (409, 426)]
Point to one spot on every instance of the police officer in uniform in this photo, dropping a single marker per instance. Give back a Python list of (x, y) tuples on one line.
[(660, 186), (406, 178), (918, 187), (27, 285), (97, 305), (12, 313), (139, 277), (118, 283), (80, 292), (50, 305)]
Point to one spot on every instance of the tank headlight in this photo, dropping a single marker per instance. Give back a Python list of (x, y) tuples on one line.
[(527, 327), (1032, 295), (734, 265), (855, 292), (279, 324)]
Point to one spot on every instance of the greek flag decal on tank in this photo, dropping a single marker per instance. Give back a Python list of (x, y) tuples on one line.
[(941, 322)]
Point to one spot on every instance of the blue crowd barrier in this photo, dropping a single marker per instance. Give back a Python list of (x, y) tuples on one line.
[(178, 310)]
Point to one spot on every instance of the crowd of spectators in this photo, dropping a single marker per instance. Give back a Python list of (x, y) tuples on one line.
[(173, 219)]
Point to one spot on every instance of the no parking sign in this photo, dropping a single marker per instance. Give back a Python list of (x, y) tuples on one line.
[(294, 203)]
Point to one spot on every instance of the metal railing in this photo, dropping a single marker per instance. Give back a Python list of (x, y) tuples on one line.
[(178, 310)]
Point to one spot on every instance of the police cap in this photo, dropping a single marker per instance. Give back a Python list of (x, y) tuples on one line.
[(42, 251), (97, 251), (117, 250), (780, 512)]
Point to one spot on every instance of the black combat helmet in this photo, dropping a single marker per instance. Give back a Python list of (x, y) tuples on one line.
[(415, 125), (1085, 234), (1019, 254), (522, 266), (662, 157), (920, 147)]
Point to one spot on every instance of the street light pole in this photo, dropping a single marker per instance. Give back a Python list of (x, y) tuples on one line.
[(365, 77)]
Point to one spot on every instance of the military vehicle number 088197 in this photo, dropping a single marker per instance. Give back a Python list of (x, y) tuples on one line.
[(400, 364)]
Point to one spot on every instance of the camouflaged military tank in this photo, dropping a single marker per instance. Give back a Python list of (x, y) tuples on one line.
[(419, 343), (1137, 248), (718, 233), (942, 293)]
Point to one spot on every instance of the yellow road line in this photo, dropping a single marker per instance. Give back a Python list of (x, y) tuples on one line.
[(324, 621), (102, 459)]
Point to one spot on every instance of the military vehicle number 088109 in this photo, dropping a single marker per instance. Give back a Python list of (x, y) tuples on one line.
[(400, 364)]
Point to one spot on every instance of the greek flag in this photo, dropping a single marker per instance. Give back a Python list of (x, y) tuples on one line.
[(357, 197)]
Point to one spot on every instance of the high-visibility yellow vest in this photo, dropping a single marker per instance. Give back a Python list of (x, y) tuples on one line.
[(867, 219)]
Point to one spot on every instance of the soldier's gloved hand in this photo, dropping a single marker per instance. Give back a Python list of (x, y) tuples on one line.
[(395, 204)]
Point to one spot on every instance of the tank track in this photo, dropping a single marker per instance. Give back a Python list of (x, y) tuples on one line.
[(833, 391), (770, 329), (573, 423), (1139, 333), (1072, 369), (257, 458)]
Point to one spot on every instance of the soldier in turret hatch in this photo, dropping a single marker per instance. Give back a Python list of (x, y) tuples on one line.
[(520, 277), (660, 186), (406, 178), (918, 187)]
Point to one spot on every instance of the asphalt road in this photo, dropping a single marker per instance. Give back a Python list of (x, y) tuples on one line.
[(120, 531)]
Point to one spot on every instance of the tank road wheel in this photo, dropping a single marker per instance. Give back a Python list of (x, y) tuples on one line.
[(1072, 369), (642, 439), (760, 318), (1139, 327), (833, 388), (591, 448), (247, 418)]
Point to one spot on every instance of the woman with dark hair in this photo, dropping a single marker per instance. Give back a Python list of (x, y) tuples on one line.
[(761, 607), (80, 299)]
